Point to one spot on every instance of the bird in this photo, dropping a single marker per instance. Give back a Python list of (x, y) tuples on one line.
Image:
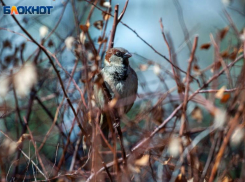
[(121, 81)]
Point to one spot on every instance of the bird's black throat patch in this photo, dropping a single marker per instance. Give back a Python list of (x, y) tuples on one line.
[(120, 76)]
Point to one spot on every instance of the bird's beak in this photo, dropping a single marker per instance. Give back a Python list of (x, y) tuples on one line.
[(127, 55)]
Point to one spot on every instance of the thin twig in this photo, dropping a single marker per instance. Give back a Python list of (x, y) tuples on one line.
[(176, 78), (75, 153), (58, 22), (188, 85), (123, 11)]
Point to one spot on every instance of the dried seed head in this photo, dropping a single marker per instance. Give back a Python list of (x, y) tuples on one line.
[(69, 42), (237, 136), (8, 147), (174, 147), (219, 118), (25, 79), (156, 69), (43, 31)]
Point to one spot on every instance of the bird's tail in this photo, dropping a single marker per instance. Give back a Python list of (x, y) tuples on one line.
[(105, 128)]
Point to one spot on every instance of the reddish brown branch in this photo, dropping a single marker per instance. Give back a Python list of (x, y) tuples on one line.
[(232, 23), (114, 27), (176, 78), (123, 11), (116, 20), (188, 86)]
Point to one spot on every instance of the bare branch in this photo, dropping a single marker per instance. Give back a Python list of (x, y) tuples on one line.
[(123, 11)]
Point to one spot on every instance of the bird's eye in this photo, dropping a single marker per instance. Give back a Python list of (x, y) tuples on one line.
[(119, 54)]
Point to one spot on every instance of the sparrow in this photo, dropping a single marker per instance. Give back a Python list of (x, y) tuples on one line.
[(120, 80)]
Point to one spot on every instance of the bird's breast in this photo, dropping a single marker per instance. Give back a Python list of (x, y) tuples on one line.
[(124, 90), (121, 85)]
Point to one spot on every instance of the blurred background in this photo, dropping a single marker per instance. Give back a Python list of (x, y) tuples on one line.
[(30, 91)]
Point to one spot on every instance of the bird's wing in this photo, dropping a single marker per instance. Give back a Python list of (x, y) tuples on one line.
[(97, 78), (109, 89), (99, 85)]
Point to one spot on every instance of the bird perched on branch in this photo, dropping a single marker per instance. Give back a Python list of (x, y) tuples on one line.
[(120, 80)]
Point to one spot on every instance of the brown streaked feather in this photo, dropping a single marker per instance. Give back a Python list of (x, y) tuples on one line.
[(109, 53)]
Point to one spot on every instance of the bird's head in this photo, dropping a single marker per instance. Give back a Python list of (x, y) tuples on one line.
[(117, 56)]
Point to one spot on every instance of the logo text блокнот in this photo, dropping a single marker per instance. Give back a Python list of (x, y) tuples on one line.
[(27, 10)]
